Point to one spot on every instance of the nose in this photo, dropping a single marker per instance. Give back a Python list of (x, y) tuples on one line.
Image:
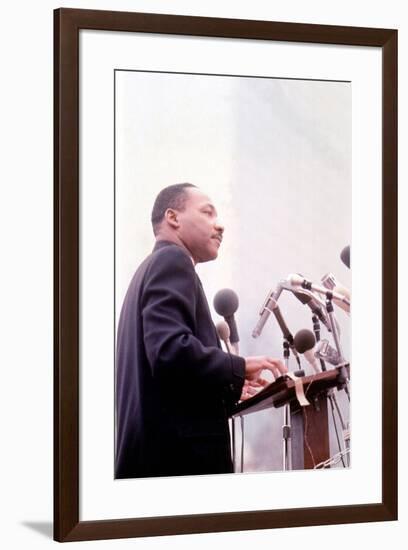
[(219, 227)]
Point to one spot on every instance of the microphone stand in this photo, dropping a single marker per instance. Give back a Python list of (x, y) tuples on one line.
[(330, 394), (330, 313), (316, 330), (286, 436), (232, 349)]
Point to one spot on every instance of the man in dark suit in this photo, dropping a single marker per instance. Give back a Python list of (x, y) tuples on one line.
[(174, 385)]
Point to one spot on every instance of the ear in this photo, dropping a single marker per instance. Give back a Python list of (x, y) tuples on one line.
[(171, 218)]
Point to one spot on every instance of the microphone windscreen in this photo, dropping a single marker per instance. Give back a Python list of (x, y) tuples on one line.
[(345, 256), (226, 302), (304, 340), (223, 330)]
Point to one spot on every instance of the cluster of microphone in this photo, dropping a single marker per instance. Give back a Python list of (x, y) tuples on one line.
[(319, 298)]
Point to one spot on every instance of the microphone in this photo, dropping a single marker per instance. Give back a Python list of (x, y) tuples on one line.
[(315, 307), (330, 282), (327, 353), (223, 332), (296, 281), (269, 305), (285, 331), (342, 291), (283, 326), (304, 343), (226, 304), (345, 256)]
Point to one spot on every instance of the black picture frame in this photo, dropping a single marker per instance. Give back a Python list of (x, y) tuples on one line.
[(67, 24)]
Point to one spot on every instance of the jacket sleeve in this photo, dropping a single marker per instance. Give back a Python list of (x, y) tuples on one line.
[(168, 313)]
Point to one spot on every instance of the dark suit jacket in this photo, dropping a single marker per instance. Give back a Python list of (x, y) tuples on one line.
[(174, 385)]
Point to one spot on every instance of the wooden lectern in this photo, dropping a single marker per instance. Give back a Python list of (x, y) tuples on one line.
[(309, 425)]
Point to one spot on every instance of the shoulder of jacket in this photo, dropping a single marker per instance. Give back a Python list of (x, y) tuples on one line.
[(171, 256)]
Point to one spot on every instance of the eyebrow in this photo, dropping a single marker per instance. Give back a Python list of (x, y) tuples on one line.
[(208, 205)]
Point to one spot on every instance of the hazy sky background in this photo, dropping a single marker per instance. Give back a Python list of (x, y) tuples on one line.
[(275, 157)]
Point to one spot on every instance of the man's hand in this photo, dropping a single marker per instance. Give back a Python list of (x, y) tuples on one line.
[(255, 365), (253, 370), (252, 388)]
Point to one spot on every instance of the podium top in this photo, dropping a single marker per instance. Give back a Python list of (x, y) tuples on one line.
[(282, 391)]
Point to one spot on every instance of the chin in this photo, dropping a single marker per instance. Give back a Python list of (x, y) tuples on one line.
[(214, 255), (211, 255), (208, 253)]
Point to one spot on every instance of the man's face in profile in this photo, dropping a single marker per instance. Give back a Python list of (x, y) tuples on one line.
[(199, 229)]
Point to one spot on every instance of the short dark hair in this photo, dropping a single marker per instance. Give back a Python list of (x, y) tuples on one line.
[(173, 196)]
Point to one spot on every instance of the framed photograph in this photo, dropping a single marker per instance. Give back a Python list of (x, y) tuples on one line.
[(186, 400)]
